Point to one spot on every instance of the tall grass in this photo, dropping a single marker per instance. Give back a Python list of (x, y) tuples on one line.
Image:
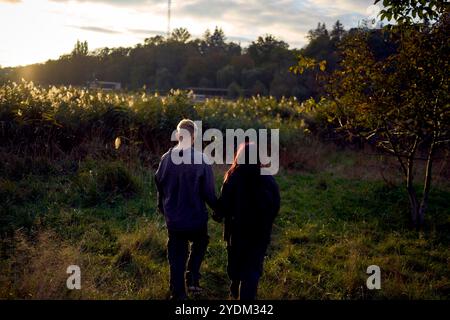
[(36, 120), (68, 196)]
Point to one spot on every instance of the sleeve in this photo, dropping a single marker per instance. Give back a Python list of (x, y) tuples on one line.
[(209, 189), (225, 199), (159, 189)]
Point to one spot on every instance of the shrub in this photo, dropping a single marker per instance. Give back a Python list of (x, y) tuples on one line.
[(105, 183), (116, 179)]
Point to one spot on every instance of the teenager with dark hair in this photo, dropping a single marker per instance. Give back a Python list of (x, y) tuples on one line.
[(248, 203)]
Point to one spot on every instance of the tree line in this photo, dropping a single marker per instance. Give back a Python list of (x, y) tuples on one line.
[(181, 61)]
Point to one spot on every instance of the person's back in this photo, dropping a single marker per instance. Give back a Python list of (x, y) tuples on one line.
[(185, 182), (252, 204), (249, 203), (184, 189)]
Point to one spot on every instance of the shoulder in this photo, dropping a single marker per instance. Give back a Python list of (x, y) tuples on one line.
[(165, 158), (166, 155), (162, 167), (233, 180), (269, 181), (204, 158)]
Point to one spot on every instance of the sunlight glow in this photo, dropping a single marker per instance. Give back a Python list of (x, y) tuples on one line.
[(37, 30)]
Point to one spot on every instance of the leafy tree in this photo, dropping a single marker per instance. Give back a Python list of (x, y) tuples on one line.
[(267, 49), (320, 31), (81, 49), (282, 84), (407, 12), (194, 70), (338, 31), (163, 80), (400, 103), (234, 91), (259, 89), (180, 35), (226, 76), (216, 39), (154, 41), (251, 76), (242, 62), (321, 47)]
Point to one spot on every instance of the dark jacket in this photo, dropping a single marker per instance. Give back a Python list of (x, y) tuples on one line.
[(183, 190), (249, 203)]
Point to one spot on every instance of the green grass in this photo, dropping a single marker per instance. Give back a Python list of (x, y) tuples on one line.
[(102, 216)]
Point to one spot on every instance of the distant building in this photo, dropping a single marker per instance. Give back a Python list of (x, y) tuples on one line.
[(104, 85), (201, 94)]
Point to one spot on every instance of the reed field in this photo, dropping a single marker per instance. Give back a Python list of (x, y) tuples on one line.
[(71, 195)]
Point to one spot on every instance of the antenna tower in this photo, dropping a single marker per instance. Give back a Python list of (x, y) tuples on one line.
[(169, 4)]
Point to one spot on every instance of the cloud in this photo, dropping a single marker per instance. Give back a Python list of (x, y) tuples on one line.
[(241, 20), (211, 9), (249, 16), (96, 29), (288, 19), (238, 39), (128, 3), (147, 32)]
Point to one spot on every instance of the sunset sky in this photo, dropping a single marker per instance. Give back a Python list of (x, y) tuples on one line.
[(37, 30)]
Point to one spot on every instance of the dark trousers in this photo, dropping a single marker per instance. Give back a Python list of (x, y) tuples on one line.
[(178, 253), (245, 267)]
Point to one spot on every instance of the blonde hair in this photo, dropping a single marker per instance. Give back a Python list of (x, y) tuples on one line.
[(189, 125)]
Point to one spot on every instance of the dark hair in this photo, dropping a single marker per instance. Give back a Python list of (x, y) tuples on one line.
[(244, 165)]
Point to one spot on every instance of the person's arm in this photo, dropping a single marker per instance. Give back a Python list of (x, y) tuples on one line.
[(225, 200), (159, 189), (209, 189), (271, 196), (277, 198)]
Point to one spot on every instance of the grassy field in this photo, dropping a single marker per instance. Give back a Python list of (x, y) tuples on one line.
[(101, 216)]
